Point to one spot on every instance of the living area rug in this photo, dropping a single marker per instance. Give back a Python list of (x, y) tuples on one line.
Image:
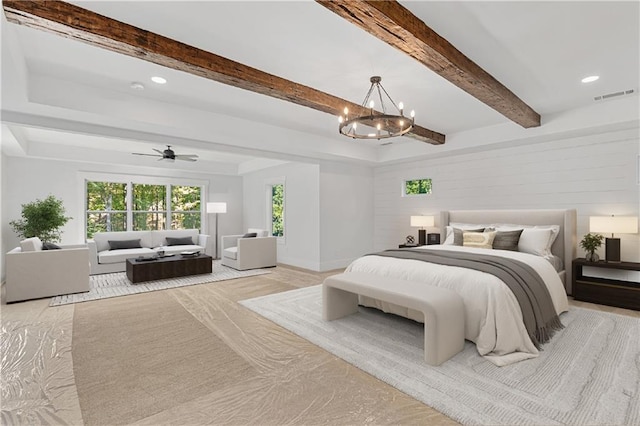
[(104, 286), (587, 374)]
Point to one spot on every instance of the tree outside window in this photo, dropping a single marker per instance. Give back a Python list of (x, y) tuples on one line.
[(106, 207), (417, 187), (277, 210), (185, 207)]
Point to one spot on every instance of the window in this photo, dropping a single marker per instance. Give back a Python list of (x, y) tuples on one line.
[(277, 210), (417, 187), (118, 206)]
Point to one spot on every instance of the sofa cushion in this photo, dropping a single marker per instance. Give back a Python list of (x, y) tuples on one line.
[(50, 246), (259, 232), (117, 256), (31, 244), (230, 253), (180, 249), (102, 238), (124, 244), (181, 241)]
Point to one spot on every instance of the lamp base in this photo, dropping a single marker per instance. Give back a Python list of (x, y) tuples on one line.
[(612, 249), (422, 237)]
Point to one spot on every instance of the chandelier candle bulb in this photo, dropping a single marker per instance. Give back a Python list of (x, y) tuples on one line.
[(401, 107)]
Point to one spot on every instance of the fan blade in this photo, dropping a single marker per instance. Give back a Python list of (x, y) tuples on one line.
[(186, 158), (158, 151), (148, 155)]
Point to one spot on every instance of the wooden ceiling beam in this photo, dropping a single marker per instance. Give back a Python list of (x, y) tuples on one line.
[(392, 23), (74, 22)]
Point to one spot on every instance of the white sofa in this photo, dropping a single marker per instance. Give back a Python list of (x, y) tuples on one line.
[(34, 273), (249, 253), (104, 260)]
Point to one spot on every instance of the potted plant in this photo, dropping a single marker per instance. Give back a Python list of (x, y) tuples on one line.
[(42, 219), (590, 243)]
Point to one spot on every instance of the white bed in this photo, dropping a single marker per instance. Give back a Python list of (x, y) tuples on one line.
[(493, 318)]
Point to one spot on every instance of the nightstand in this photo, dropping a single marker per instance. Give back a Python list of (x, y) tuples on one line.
[(606, 291)]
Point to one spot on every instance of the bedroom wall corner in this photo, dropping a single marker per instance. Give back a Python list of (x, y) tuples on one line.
[(346, 219)]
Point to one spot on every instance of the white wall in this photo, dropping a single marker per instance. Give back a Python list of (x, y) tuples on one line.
[(346, 214), (595, 174), (301, 244), (2, 215), (27, 179)]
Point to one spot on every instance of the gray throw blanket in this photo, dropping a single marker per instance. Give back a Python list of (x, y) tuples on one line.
[(539, 315)]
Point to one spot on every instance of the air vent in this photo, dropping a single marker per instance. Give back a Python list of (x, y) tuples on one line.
[(614, 95)]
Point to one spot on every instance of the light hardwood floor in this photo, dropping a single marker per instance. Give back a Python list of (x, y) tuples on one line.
[(190, 355)]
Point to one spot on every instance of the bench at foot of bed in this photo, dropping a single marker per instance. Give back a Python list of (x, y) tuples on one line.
[(442, 308)]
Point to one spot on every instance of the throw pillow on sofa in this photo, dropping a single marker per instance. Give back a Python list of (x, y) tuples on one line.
[(250, 235), (184, 241), (50, 246), (124, 244)]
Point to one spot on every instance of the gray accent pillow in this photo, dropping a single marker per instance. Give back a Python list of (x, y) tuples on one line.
[(50, 246), (507, 240), (457, 235), (124, 244), (184, 241), (250, 235)]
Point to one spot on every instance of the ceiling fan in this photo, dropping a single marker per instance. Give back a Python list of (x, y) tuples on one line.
[(170, 155)]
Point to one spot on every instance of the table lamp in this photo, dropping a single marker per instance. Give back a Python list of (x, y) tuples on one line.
[(422, 221), (613, 225)]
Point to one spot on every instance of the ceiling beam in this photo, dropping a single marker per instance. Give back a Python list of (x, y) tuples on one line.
[(74, 22), (392, 23)]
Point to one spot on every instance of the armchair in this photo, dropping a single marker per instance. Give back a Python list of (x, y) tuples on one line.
[(249, 252), (44, 273)]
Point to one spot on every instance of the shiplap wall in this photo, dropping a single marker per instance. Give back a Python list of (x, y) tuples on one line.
[(595, 174)]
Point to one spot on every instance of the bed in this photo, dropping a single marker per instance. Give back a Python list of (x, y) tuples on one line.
[(493, 317)]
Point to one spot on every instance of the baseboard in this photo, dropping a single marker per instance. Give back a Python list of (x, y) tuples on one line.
[(335, 264), (300, 263)]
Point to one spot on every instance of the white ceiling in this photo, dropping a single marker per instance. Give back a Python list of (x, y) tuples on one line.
[(79, 96)]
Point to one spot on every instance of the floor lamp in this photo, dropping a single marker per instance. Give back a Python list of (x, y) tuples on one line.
[(216, 208)]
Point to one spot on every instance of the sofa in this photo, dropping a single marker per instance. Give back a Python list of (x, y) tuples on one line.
[(34, 273), (255, 249), (108, 251)]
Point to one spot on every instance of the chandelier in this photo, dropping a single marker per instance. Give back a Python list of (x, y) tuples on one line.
[(376, 125)]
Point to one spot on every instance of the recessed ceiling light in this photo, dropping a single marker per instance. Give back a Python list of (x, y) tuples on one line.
[(137, 85), (159, 80), (590, 79)]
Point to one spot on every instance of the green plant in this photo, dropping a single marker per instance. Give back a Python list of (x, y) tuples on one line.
[(591, 242), (42, 219)]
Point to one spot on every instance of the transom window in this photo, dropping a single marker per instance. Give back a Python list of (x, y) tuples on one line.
[(417, 187), (129, 206)]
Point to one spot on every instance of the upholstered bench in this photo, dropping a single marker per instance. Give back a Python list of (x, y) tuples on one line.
[(443, 309)]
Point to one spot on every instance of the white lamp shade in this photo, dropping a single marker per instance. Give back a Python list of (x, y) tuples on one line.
[(422, 221), (216, 207), (613, 224)]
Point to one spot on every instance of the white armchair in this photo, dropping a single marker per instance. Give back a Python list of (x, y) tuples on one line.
[(38, 273), (249, 253)]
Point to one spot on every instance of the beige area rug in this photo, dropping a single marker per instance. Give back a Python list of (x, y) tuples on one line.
[(152, 356), (589, 374), (104, 286)]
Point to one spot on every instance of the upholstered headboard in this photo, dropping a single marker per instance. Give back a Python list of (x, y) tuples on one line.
[(564, 246)]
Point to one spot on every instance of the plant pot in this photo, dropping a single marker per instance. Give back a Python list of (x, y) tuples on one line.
[(592, 257)]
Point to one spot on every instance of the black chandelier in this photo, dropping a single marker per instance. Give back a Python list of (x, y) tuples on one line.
[(376, 125)]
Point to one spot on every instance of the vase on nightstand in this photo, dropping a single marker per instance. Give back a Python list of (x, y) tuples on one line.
[(592, 256)]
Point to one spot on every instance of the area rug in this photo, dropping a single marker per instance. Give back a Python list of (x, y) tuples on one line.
[(104, 286), (587, 374)]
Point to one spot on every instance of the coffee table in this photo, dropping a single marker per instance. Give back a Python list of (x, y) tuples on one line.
[(168, 267)]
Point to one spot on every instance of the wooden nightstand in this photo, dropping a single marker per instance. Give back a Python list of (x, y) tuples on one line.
[(606, 291)]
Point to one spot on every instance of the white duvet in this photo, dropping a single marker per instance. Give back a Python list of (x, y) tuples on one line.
[(493, 319)]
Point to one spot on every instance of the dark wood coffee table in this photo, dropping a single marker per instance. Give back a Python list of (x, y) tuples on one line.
[(168, 267)]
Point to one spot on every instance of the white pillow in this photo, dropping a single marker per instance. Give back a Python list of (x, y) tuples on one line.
[(535, 241), (31, 244)]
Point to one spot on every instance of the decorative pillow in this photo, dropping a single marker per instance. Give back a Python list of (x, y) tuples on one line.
[(535, 241), (250, 235), (462, 226), (507, 240), (124, 244), (31, 244), (50, 246), (184, 241), (478, 239), (457, 235)]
